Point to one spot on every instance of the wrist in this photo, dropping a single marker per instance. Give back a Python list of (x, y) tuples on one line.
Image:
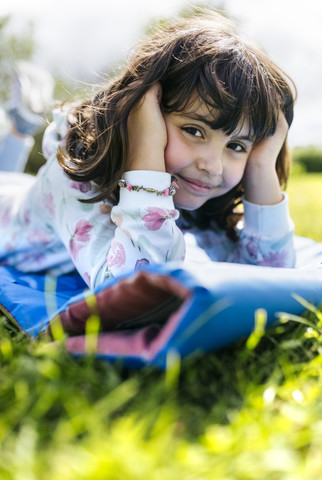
[(147, 180), (146, 160), (262, 187)]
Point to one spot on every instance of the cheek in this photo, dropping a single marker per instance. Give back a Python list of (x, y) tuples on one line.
[(176, 155), (234, 171)]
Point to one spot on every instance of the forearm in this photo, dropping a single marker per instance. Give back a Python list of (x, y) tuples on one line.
[(260, 178), (266, 237), (143, 156), (105, 241), (146, 230), (262, 185)]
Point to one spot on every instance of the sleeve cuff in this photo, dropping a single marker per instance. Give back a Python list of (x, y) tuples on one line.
[(267, 220), (147, 179)]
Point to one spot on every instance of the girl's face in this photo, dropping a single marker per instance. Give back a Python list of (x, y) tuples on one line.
[(206, 162)]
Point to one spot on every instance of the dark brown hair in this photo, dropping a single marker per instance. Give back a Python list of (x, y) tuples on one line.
[(203, 54)]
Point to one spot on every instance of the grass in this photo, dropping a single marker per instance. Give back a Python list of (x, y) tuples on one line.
[(250, 411), (306, 204)]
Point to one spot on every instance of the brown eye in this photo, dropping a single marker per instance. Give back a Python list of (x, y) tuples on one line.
[(195, 132), (237, 147)]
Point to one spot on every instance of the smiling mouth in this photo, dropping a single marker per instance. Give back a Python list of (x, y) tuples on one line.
[(198, 185)]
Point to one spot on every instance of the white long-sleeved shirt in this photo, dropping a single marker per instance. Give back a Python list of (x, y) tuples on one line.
[(45, 227)]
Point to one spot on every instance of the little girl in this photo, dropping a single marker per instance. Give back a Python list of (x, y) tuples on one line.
[(165, 153)]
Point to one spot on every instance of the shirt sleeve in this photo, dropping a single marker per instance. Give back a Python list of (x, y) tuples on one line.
[(106, 240), (266, 237), (146, 230)]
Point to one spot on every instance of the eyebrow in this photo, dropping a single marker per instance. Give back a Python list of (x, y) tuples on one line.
[(245, 138), (211, 124)]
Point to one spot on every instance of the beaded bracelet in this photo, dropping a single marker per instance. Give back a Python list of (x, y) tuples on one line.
[(136, 188)]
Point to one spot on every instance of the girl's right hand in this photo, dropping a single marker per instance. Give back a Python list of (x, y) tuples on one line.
[(147, 134)]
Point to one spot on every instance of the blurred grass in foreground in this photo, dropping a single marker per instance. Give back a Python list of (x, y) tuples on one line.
[(251, 411)]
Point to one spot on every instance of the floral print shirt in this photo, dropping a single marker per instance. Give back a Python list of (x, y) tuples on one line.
[(44, 226)]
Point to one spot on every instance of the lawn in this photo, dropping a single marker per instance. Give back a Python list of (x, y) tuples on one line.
[(252, 411), (305, 193)]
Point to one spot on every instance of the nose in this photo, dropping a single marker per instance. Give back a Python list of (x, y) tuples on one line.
[(211, 163)]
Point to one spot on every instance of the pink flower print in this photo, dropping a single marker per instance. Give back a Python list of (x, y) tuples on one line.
[(49, 203), (274, 259), (116, 256), (79, 237), (252, 248), (83, 187), (157, 216)]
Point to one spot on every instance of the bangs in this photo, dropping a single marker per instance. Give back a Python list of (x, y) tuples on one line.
[(236, 89)]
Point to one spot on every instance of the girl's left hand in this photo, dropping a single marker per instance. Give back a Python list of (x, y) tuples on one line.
[(260, 179)]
